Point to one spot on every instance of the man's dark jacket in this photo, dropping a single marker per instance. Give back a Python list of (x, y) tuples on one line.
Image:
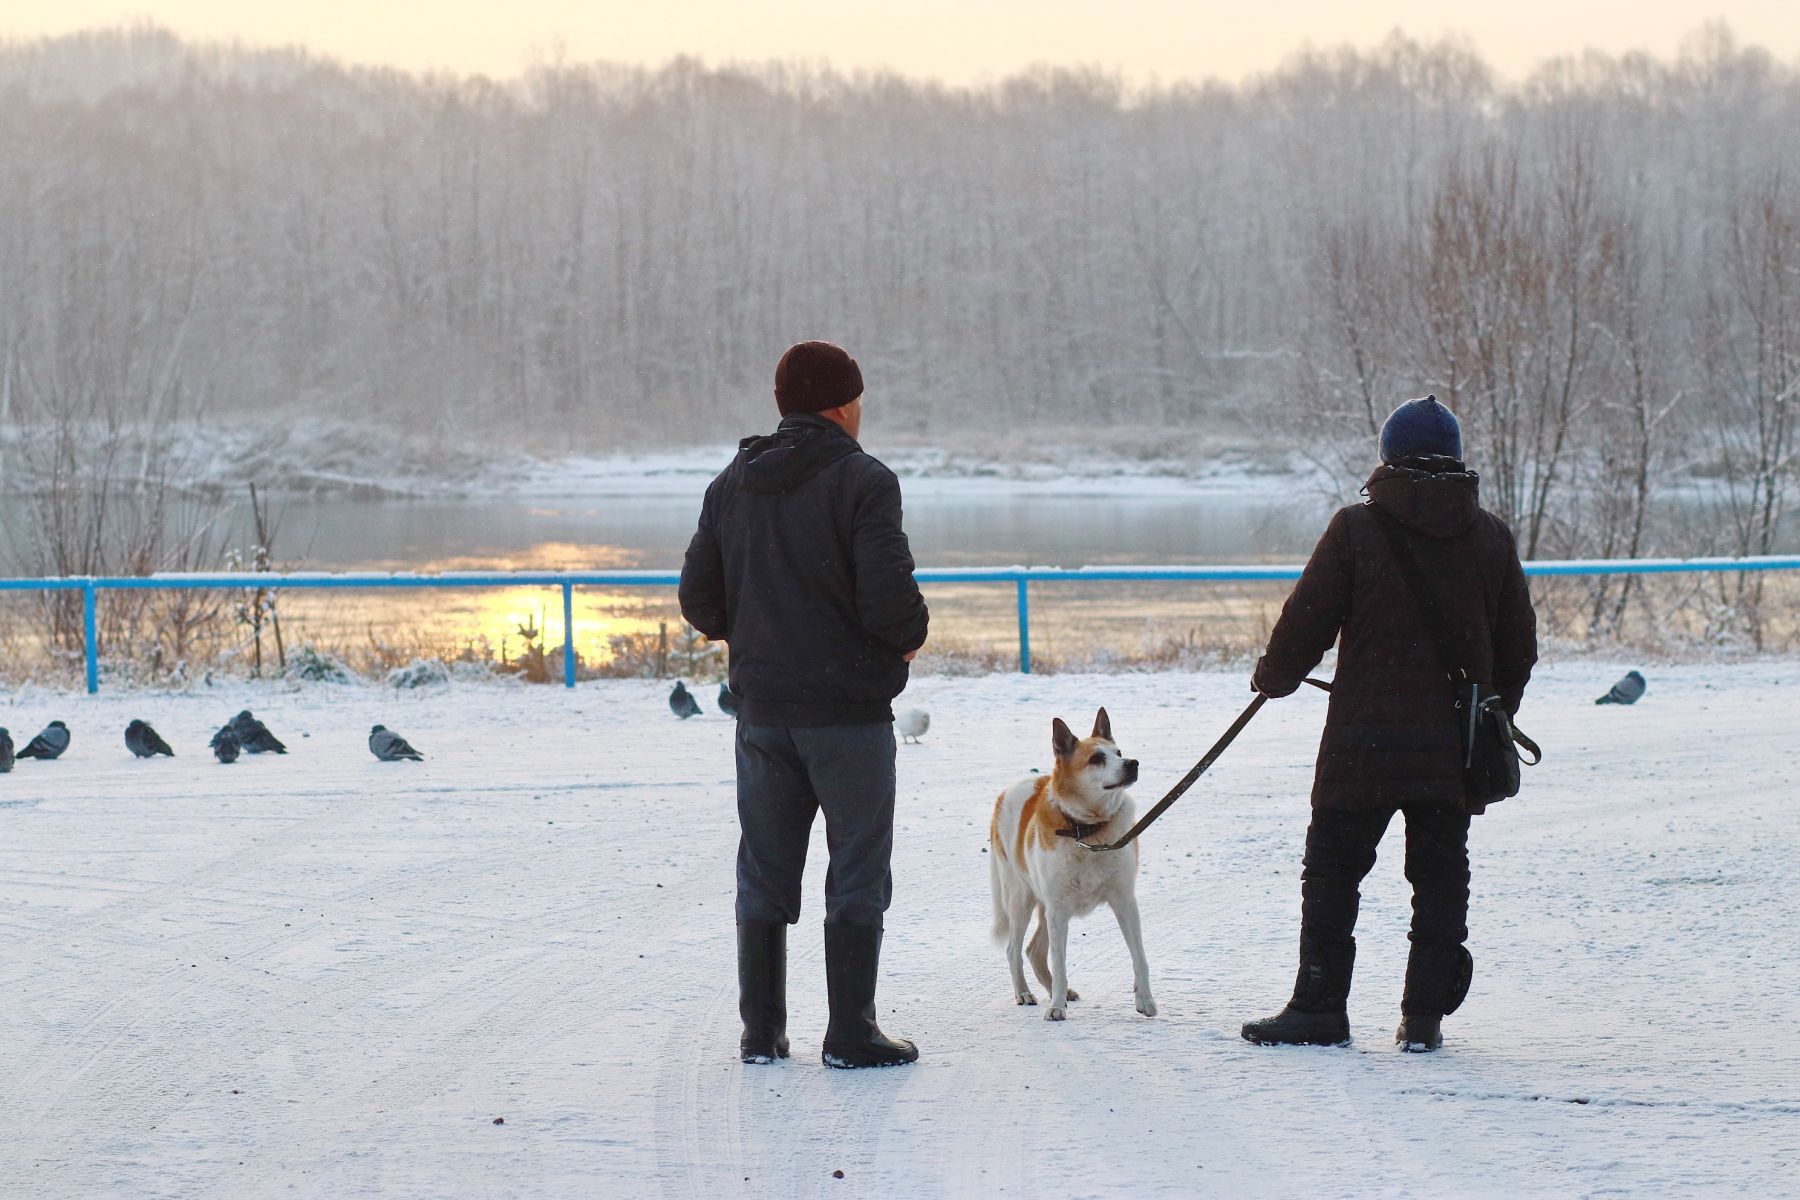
[(1390, 737), (800, 563)]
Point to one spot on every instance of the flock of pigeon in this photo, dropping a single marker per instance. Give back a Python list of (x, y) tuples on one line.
[(243, 733), (911, 725)]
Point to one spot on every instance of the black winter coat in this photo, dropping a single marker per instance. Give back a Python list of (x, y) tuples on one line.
[(800, 564), (1390, 735)]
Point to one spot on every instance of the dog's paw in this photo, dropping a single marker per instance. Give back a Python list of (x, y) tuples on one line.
[(1074, 995), (1147, 1006), (1025, 997), (1056, 1014)]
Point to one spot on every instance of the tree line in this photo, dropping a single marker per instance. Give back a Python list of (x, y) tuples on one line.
[(1599, 266)]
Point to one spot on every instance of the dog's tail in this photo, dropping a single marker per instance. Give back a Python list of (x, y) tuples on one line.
[(996, 885), (997, 878)]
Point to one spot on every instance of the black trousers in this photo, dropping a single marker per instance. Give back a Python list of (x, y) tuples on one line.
[(1340, 852), (785, 777)]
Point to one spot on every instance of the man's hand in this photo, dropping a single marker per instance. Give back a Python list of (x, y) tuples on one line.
[(909, 656)]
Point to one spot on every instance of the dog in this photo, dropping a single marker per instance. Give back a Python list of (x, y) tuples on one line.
[(1034, 865)]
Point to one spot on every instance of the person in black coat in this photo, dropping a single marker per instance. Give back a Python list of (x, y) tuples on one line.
[(800, 563), (1391, 743)]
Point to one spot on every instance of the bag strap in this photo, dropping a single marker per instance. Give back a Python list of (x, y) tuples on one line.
[(1434, 618), (1415, 583)]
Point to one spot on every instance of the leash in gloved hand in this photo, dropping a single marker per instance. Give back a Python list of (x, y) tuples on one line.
[(1200, 768)]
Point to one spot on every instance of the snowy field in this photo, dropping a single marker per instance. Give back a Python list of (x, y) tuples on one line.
[(320, 975)]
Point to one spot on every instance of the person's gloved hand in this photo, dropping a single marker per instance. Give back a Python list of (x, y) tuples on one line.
[(1274, 689)]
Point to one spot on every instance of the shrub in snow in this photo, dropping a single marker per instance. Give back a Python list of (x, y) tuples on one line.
[(468, 670), (307, 665), (420, 672)]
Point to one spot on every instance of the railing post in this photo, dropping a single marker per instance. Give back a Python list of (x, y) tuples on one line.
[(90, 638), (568, 634), (1024, 625)]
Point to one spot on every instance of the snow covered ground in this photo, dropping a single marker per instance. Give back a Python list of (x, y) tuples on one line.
[(320, 975)]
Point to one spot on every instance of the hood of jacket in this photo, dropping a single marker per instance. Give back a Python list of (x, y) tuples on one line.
[(801, 446), (1439, 498)]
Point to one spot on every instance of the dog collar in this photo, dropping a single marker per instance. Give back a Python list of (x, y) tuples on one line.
[(1080, 832)]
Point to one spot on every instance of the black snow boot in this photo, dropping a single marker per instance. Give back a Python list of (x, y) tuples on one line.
[(1316, 1016), (853, 1039), (1419, 1033), (1438, 976), (762, 990)]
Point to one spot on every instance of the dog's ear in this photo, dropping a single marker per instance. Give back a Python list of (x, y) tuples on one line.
[(1062, 738), (1103, 726)]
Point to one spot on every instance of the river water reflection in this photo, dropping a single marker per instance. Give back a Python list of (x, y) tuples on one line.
[(602, 533), (1071, 622)]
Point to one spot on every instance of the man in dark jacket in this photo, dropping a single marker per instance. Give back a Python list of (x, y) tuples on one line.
[(800, 563), (1391, 742)]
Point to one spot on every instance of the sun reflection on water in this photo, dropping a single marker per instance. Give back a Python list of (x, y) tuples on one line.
[(498, 622), (493, 623)]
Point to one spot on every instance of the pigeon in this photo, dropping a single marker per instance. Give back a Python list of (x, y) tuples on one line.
[(389, 746), (727, 699), (912, 724), (145, 742), (254, 736), (6, 752), (49, 744), (1627, 691), (682, 704), (225, 744)]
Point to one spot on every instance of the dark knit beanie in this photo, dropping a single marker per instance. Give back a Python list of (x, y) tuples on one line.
[(1420, 427), (814, 376)]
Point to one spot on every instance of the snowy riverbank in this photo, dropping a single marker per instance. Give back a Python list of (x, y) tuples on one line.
[(928, 472), (322, 457), (323, 975)]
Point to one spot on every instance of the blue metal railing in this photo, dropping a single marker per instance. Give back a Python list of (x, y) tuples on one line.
[(1020, 577)]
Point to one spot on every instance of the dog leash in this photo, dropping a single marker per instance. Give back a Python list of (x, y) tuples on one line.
[(1200, 768)]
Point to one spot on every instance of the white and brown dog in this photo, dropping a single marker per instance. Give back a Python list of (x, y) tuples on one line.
[(1034, 864)]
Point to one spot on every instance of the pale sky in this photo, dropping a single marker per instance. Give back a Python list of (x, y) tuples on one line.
[(961, 42)]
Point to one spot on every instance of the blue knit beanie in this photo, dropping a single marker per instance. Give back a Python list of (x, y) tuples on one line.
[(1420, 427)]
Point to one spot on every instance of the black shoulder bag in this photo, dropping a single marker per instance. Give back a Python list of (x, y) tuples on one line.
[(1490, 743)]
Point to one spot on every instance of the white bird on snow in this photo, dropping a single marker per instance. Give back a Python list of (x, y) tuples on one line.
[(912, 724)]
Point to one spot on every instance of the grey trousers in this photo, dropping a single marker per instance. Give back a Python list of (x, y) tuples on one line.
[(784, 777)]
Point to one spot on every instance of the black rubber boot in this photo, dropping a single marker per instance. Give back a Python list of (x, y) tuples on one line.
[(762, 990), (1316, 1016), (1438, 976), (853, 1039), (1420, 1033)]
